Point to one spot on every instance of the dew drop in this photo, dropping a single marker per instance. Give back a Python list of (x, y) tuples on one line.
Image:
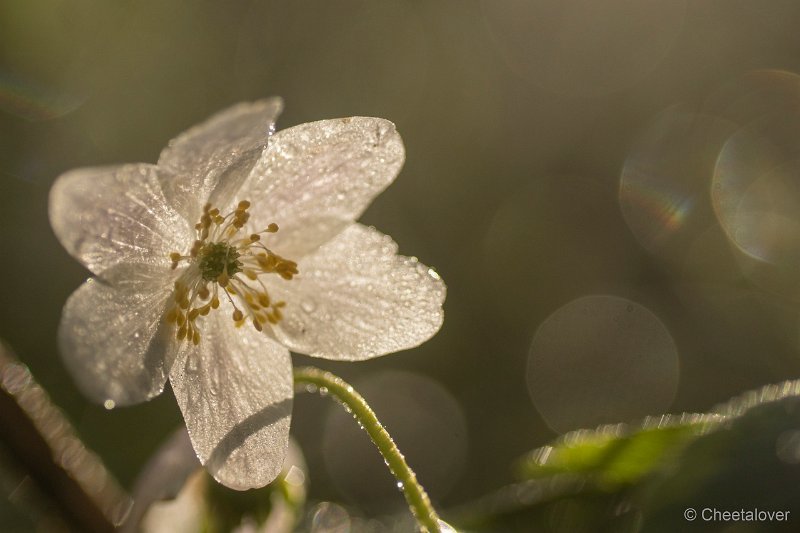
[(435, 275), (311, 388), (309, 306), (323, 391), (400, 485), (109, 404)]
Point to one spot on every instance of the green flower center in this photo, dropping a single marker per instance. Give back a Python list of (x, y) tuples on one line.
[(216, 258)]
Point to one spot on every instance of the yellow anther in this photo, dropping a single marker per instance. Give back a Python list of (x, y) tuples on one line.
[(272, 228), (214, 302), (180, 319), (196, 338), (250, 274), (203, 292), (222, 280), (257, 325), (263, 299), (237, 315), (214, 212), (175, 256), (194, 314), (172, 316), (181, 333), (244, 204), (255, 237)]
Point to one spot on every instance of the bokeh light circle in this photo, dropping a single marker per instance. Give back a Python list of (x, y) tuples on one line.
[(583, 47), (426, 422), (755, 189), (601, 359), (756, 194)]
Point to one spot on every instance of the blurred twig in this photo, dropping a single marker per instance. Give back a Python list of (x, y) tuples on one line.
[(42, 440)]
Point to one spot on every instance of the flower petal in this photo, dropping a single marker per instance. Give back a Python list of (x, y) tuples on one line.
[(235, 391), (315, 179), (115, 215), (209, 161), (356, 299), (110, 335)]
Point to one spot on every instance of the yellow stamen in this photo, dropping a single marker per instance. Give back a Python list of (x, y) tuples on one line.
[(214, 260)]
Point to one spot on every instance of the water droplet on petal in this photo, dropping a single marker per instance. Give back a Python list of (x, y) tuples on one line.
[(109, 404), (400, 485), (323, 391), (308, 306)]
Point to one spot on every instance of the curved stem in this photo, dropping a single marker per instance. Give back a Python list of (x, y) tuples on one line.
[(415, 495)]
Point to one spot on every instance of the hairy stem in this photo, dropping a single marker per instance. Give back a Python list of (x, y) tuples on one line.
[(415, 495)]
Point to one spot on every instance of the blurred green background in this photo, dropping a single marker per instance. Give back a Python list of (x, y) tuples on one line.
[(618, 153)]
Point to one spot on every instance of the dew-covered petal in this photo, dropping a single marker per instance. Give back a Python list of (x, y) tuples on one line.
[(116, 215), (315, 179), (112, 338), (209, 161), (235, 392), (355, 298)]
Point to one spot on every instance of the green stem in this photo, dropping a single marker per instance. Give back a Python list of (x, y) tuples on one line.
[(415, 495)]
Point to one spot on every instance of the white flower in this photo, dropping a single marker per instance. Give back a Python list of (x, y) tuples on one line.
[(233, 250)]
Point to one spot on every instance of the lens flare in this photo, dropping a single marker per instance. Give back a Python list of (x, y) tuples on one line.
[(34, 102), (664, 183)]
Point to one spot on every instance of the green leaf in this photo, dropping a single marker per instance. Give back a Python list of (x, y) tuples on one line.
[(642, 477), (614, 456)]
